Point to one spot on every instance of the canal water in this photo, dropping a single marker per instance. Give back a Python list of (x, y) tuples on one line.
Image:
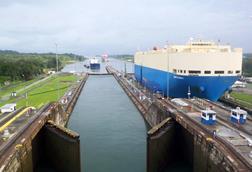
[(112, 131), (117, 64)]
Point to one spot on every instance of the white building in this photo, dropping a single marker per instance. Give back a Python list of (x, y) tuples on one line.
[(8, 108), (51, 72)]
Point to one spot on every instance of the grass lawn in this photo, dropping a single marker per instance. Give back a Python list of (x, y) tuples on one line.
[(16, 85), (46, 92), (243, 98)]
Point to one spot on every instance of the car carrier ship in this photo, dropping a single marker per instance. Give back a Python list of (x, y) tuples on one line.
[(199, 68), (94, 63)]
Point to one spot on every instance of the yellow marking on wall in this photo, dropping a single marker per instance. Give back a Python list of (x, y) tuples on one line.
[(3, 127), (6, 116)]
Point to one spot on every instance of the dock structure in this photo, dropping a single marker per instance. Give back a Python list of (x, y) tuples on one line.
[(95, 73), (222, 147)]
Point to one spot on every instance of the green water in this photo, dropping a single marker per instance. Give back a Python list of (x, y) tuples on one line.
[(112, 131)]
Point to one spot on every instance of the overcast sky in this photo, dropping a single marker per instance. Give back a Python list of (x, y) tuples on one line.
[(115, 26)]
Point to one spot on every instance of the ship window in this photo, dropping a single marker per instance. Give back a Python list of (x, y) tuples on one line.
[(230, 72), (219, 72), (237, 71), (207, 72), (174, 70), (194, 71), (181, 71), (184, 71), (233, 113)]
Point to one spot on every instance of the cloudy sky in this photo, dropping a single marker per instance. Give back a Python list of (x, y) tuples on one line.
[(121, 26)]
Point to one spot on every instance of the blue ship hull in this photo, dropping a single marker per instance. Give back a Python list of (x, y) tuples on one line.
[(209, 87), (94, 66)]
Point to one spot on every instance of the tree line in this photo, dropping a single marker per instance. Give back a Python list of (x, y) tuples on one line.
[(247, 65), (26, 66)]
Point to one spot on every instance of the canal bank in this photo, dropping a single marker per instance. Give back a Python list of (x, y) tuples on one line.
[(112, 132)]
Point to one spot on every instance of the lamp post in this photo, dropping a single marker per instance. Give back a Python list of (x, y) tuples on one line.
[(26, 97), (75, 64), (167, 79), (57, 67), (26, 93), (56, 56), (125, 70)]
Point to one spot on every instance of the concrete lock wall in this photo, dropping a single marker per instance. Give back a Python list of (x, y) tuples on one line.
[(168, 145), (201, 159), (171, 143), (207, 158), (184, 145), (56, 148), (160, 148), (22, 161), (156, 114)]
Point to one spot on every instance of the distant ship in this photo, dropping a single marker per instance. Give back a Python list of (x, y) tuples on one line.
[(201, 69), (94, 63), (105, 58)]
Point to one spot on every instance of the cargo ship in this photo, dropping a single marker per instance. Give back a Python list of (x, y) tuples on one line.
[(94, 63), (202, 69), (105, 58)]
